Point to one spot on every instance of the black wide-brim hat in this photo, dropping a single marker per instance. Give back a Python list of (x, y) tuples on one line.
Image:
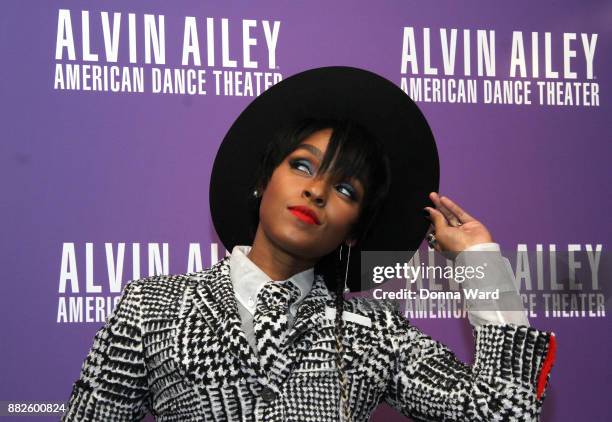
[(336, 92)]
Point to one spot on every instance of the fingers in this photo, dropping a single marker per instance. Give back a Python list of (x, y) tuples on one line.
[(461, 215), (437, 218), (452, 219)]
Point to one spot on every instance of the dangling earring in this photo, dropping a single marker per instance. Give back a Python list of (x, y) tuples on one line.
[(256, 193), (348, 260)]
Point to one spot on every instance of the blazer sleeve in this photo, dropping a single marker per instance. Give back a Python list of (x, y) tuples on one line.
[(113, 385), (507, 381)]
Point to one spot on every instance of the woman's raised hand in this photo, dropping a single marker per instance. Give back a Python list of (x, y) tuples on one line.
[(454, 229)]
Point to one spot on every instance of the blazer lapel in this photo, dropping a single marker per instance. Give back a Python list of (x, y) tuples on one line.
[(314, 330), (311, 311), (213, 297)]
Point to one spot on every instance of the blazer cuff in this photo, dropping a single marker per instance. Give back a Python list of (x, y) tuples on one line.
[(515, 353)]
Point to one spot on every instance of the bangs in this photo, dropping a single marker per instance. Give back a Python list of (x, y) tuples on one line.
[(347, 154)]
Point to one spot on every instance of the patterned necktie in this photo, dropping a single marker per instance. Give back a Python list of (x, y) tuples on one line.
[(270, 319)]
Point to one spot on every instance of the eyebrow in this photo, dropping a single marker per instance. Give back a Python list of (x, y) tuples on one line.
[(312, 149)]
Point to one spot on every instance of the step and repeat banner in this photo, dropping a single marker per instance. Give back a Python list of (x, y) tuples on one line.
[(112, 113)]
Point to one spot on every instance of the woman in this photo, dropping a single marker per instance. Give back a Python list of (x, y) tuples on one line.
[(260, 335)]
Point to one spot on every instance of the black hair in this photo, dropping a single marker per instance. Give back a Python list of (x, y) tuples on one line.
[(354, 152)]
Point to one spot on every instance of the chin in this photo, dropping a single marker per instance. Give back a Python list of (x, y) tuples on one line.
[(297, 243)]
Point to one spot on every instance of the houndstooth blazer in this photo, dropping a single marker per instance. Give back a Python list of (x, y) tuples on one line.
[(174, 347)]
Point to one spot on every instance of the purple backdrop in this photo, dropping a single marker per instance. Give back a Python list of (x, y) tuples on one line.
[(94, 167)]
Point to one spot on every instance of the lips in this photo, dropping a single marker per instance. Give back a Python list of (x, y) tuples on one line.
[(305, 214)]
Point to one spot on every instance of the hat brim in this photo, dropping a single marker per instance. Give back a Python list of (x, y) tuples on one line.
[(343, 93)]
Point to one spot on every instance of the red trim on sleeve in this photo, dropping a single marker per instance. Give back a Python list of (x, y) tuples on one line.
[(548, 363)]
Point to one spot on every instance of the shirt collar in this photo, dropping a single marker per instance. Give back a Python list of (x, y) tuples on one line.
[(248, 279)]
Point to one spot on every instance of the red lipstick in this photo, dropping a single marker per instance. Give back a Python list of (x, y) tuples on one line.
[(305, 214)]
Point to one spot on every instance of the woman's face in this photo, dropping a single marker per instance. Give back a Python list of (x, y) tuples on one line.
[(304, 212)]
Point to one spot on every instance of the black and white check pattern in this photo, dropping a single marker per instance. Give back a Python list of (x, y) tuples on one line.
[(270, 319), (174, 347)]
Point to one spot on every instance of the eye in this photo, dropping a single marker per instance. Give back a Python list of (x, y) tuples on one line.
[(347, 190), (302, 165)]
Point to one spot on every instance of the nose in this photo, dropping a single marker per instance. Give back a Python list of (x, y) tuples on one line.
[(316, 191)]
